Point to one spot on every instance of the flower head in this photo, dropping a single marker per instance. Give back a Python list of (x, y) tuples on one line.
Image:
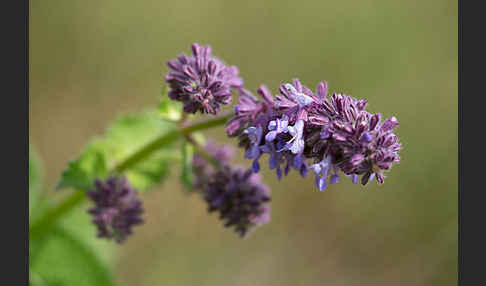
[(202, 82), (336, 133), (354, 138), (117, 208), (239, 197)]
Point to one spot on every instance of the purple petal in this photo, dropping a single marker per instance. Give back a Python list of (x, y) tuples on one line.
[(272, 162), (287, 168), (334, 179), (255, 166), (279, 173), (303, 171), (389, 124), (325, 134), (270, 136), (321, 183), (366, 138), (322, 90)]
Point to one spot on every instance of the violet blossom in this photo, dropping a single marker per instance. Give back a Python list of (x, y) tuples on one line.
[(202, 82), (117, 208)]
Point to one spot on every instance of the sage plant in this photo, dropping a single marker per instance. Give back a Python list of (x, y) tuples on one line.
[(300, 129)]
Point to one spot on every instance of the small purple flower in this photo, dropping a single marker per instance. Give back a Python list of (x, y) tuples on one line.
[(334, 179), (301, 98), (276, 127), (255, 136), (276, 158), (202, 82), (239, 197), (296, 144), (117, 208), (295, 100), (250, 111), (321, 169)]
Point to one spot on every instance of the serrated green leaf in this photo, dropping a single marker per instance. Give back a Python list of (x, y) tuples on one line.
[(81, 172), (65, 260), (187, 175), (123, 138), (170, 109)]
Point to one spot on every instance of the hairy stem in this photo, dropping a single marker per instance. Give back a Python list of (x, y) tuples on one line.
[(50, 217)]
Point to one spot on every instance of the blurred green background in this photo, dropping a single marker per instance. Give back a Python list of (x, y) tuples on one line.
[(93, 60)]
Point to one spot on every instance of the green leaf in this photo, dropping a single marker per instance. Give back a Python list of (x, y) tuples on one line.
[(123, 138), (187, 175), (170, 109), (35, 177), (66, 260), (78, 224), (81, 172)]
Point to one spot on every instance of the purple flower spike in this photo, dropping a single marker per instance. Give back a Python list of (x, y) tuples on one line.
[(202, 82), (300, 125), (117, 208), (239, 197)]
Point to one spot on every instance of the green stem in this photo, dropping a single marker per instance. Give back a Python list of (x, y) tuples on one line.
[(167, 139), (203, 153), (50, 218)]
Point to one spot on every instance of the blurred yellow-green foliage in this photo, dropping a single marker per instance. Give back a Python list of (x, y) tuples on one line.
[(93, 60)]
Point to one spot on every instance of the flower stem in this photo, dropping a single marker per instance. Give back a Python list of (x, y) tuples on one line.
[(203, 153), (42, 225), (167, 139)]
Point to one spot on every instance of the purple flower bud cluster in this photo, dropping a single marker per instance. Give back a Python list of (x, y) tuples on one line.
[(235, 193), (239, 197), (337, 134), (202, 82), (117, 208)]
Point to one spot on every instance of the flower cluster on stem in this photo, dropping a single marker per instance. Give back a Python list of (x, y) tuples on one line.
[(117, 208), (235, 193), (336, 134), (202, 82)]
